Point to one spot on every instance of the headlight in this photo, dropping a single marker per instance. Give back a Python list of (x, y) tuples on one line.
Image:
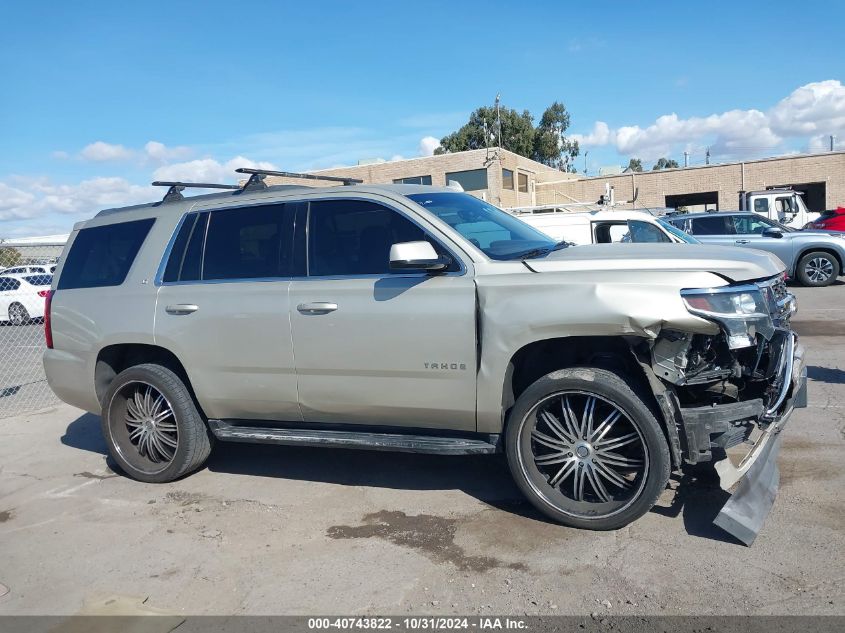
[(741, 312)]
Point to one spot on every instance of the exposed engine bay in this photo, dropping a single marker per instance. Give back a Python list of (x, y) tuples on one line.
[(725, 385)]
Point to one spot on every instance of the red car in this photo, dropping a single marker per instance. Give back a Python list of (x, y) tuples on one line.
[(829, 221)]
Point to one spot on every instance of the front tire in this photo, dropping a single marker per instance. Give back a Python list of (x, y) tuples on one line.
[(586, 450), (818, 269), (152, 426)]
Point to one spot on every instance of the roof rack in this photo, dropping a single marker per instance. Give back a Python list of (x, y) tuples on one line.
[(174, 193), (256, 179)]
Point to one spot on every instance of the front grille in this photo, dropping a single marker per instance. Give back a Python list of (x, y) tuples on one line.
[(780, 301)]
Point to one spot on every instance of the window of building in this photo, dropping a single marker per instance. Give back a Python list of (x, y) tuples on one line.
[(248, 243), (471, 180), (353, 237), (523, 183), (507, 179), (413, 180), (102, 255)]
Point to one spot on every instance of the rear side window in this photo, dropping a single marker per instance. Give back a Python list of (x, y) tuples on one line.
[(8, 284), (248, 243), (39, 280), (253, 242), (716, 225), (102, 255)]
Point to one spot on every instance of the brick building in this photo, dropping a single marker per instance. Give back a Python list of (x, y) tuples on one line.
[(509, 180), (496, 175)]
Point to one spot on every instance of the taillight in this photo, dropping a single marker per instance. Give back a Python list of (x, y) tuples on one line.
[(48, 327)]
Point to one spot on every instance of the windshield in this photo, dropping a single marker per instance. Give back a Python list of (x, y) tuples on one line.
[(497, 234), (674, 230)]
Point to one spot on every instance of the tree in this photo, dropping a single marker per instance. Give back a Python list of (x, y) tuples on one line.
[(481, 131), (9, 257), (665, 163), (551, 147), (635, 164), (545, 143)]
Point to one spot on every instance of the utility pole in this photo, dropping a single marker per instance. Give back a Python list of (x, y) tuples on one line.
[(707, 157), (585, 161), (831, 142), (686, 159), (498, 124)]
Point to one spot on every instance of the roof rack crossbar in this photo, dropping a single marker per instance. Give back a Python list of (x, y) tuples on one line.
[(175, 188), (292, 174)]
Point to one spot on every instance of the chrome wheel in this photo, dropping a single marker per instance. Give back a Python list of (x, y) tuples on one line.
[(818, 270), (18, 314), (588, 458), (143, 425)]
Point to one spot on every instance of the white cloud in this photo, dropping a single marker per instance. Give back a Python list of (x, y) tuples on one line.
[(814, 110), (159, 152), (100, 151), (40, 198), (208, 170), (428, 144), (60, 155), (600, 135)]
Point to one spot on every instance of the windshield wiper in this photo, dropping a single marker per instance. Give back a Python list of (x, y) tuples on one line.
[(539, 252)]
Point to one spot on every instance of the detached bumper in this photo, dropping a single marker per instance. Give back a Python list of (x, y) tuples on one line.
[(757, 473)]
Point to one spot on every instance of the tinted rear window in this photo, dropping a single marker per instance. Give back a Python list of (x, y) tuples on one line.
[(39, 280), (715, 225), (102, 255)]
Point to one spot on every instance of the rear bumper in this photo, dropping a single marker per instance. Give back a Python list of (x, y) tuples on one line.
[(757, 472), (70, 379)]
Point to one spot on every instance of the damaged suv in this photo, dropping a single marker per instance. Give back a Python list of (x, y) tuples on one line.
[(421, 319)]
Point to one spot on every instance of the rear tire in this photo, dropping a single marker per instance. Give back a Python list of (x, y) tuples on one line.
[(18, 315), (152, 426), (586, 449), (817, 269)]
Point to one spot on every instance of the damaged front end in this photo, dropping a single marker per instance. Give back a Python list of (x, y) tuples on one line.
[(735, 388)]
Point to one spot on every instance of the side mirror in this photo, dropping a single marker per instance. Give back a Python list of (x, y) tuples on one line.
[(415, 256), (772, 232)]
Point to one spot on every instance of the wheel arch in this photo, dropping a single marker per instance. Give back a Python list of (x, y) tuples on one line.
[(820, 249), (113, 359), (624, 354)]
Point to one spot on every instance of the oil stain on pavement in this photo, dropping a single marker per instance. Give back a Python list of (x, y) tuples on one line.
[(431, 535), (6, 515)]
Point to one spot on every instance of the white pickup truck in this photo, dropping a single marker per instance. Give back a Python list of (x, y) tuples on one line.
[(781, 205)]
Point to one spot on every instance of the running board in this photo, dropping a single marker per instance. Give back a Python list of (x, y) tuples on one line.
[(438, 445)]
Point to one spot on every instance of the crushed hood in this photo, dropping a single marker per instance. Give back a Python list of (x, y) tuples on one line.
[(734, 263)]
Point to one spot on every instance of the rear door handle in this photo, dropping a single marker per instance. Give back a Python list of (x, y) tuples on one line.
[(317, 307), (182, 308), (743, 241)]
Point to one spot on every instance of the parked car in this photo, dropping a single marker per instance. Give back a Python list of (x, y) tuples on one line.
[(813, 258), (829, 221), (421, 319), (30, 270), (22, 297), (605, 227)]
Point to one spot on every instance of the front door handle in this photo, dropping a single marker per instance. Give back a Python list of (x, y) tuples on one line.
[(317, 307), (182, 308), (743, 241)]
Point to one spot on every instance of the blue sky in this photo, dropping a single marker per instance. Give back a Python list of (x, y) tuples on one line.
[(99, 98)]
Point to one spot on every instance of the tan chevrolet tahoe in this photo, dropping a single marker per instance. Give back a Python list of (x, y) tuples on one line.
[(422, 319)]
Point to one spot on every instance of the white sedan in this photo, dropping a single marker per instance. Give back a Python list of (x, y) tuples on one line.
[(22, 297)]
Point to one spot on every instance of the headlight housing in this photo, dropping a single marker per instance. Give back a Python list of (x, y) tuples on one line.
[(741, 311)]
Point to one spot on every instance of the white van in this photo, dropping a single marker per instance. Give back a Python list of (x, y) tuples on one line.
[(603, 227)]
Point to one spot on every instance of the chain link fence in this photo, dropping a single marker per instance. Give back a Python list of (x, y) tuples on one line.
[(25, 276)]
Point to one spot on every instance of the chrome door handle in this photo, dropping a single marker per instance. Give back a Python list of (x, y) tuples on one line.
[(182, 308), (317, 307), (743, 241)]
